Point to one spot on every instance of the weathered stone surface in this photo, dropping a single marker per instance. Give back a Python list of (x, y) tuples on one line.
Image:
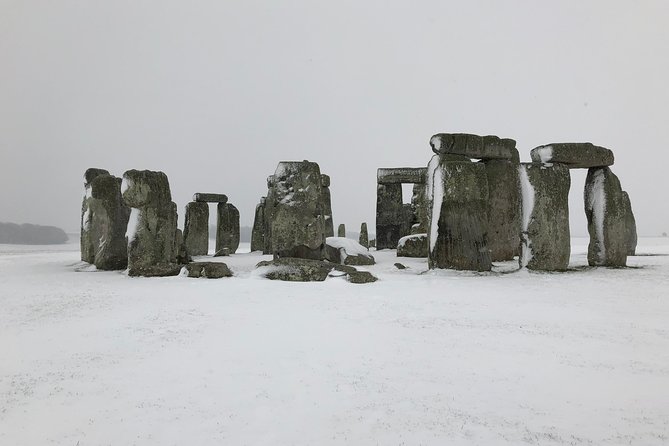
[(210, 198), (196, 228), (296, 215), (574, 155), (545, 242), (414, 245), (208, 270), (606, 212), (503, 209), (326, 199), (152, 224), (419, 210), (92, 173), (388, 215), (227, 229), (103, 223), (474, 146), (361, 277), (309, 270), (347, 252), (630, 226), (363, 239), (341, 230), (457, 194), (407, 219), (258, 232), (401, 175), (182, 253)]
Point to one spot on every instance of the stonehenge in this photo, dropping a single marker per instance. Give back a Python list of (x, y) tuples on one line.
[(196, 228), (227, 229), (341, 230), (630, 226), (363, 238)]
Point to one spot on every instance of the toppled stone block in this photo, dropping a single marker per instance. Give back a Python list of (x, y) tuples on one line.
[(545, 240), (630, 226), (606, 212), (401, 175), (157, 270), (474, 146), (574, 155), (196, 228), (210, 198), (309, 270), (346, 251), (208, 270), (503, 209), (457, 194), (414, 245), (227, 230)]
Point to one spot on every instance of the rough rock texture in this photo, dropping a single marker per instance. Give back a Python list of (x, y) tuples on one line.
[(104, 221), (309, 270), (227, 229), (503, 209), (419, 209), (407, 219), (458, 219), (296, 217), (208, 270), (258, 232), (363, 239), (574, 155), (182, 253), (401, 175), (388, 215), (196, 228), (326, 198), (414, 245), (338, 254), (630, 225), (210, 198), (474, 146), (152, 224), (545, 242), (92, 173), (607, 217), (341, 230)]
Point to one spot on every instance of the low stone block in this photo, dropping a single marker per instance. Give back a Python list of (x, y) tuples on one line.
[(208, 270)]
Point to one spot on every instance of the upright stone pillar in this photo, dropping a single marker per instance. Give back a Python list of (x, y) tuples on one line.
[(630, 225), (258, 232), (196, 228), (503, 209), (606, 211), (152, 226), (545, 239), (104, 222), (227, 229), (388, 215), (341, 230), (457, 192), (419, 207), (364, 236), (327, 205)]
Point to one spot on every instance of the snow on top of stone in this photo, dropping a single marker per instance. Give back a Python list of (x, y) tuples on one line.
[(545, 154), (125, 184), (527, 197), (351, 247), (406, 238), (435, 192), (133, 223), (435, 142)]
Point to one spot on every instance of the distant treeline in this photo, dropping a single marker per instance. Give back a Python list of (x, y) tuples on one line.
[(27, 234)]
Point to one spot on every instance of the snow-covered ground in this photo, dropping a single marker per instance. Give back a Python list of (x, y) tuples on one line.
[(445, 357)]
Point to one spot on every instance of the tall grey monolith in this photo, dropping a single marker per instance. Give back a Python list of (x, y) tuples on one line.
[(363, 239), (630, 226), (258, 231), (545, 242), (327, 205), (227, 229), (196, 228), (606, 211), (388, 215), (341, 230), (503, 209)]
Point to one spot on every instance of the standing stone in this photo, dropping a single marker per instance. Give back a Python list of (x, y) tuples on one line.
[(152, 225), (458, 219), (630, 226), (183, 256), (341, 230), (258, 232), (297, 223), (606, 212), (503, 209), (545, 243), (196, 228), (227, 229), (407, 219), (364, 236), (269, 208), (327, 205), (419, 209), (104, 221), (388, 215)]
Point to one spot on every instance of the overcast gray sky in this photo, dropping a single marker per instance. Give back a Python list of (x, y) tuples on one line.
[(215, 93)]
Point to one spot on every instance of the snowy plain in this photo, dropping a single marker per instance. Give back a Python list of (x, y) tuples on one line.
[(419, 357)]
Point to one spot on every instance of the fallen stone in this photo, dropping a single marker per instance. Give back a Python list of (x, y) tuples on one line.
[(347, 252), (545, 242), (210, 198), (574, 155), (474, 146), (196, 228), (157, 270), (208, 270), (606, 212), (630, 226), (414, 245), (400, 266), (308, 270), (361, 277)]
